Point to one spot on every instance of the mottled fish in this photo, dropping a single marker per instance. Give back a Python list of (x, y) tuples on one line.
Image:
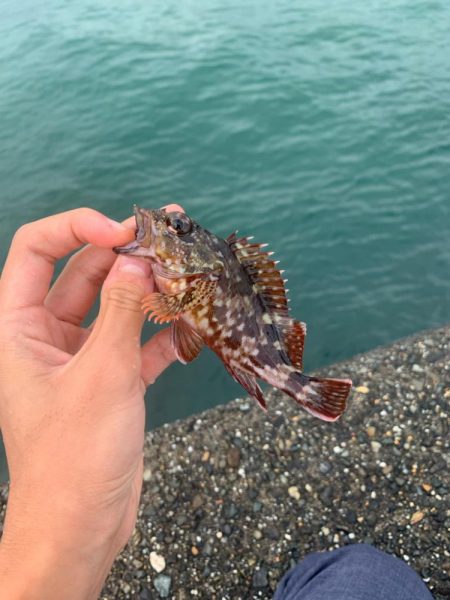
[(229, 295)]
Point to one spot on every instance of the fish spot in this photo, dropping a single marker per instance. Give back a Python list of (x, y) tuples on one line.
[(203, 311), (240, 327), (210, 331), (267, 319), (277, 345)]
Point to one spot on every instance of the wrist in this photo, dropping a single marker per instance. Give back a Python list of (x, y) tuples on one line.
[(43, 558), (43, 572)]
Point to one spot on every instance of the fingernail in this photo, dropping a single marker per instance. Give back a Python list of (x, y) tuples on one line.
[(134, 266)]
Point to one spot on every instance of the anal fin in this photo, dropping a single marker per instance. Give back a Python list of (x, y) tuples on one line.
[(185, 341), (248, 382)]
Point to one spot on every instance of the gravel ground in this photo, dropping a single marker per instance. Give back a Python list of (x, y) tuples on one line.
[(233, 497)]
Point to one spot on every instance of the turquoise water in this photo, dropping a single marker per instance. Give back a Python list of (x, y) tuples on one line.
[(323, 129)]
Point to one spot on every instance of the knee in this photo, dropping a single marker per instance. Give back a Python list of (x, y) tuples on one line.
[(329, 574)]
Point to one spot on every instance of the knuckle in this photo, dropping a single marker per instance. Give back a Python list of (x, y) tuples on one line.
[(23, 233), (124, 295), (91, 273), (86, 213)]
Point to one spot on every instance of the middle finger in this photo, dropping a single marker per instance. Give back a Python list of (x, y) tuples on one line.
[(76, 289)]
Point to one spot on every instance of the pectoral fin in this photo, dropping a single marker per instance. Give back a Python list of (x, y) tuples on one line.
[(163, 308), (185, 341), (168, 307)]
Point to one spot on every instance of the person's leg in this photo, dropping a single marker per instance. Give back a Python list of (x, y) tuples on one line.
[(355, 572)]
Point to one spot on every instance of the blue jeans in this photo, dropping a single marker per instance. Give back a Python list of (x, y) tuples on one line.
[(355, 572)]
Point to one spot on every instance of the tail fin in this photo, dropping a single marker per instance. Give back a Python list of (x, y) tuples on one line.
[(324, 398)]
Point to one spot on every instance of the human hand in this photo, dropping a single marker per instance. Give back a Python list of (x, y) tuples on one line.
[(71, 403)]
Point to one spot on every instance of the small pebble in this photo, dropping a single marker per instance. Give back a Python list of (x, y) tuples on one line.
[(196, 502), (157, 562), (162, 585), (244, 407), (260, 578), (324, 467), (417, 517), (294, 492), (362, 389), (126, 588), (233, 457), (376, 446)]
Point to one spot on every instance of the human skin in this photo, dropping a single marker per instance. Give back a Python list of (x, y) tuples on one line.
[(72, 409)]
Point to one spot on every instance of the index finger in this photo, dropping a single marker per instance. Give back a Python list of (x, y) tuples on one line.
[(37, 246)]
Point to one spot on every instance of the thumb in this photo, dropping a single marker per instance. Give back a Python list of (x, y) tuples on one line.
[(120, 318)]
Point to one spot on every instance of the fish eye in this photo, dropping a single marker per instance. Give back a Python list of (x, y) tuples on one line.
[(179, 223)]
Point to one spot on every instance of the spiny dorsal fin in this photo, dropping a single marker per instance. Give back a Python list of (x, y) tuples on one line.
[(185, 341), (270, 286), (262, 272)]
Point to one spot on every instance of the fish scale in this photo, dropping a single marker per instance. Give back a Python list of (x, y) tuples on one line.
[(229, 295)]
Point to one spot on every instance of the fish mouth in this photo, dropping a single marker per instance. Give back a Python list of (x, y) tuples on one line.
[(141, 246)]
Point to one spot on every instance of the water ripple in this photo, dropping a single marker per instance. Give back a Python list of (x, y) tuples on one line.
[(320, 130)]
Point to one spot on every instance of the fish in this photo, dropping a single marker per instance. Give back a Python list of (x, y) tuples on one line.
[(228, 294)]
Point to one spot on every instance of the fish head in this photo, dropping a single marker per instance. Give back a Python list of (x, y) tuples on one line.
[(174, 243)]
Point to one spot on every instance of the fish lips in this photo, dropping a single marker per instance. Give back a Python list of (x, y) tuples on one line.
[(141, 245)]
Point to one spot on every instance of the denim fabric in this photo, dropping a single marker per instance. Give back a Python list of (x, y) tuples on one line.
[(355, 572)]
